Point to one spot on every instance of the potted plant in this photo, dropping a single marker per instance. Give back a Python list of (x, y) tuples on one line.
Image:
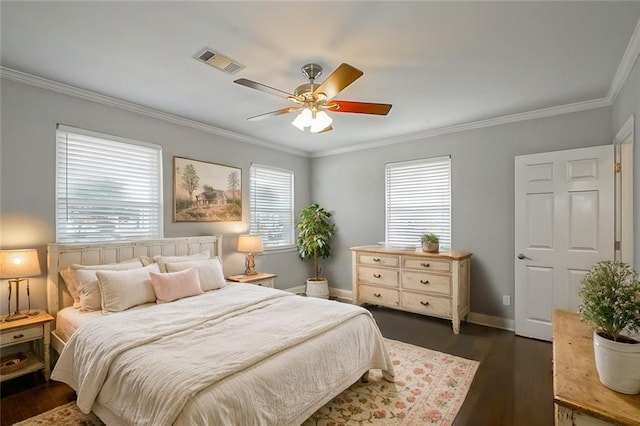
[(316, 231), (430, 242), (611, 304)]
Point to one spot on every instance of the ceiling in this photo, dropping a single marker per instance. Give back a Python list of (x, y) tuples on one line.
[(441, 64)]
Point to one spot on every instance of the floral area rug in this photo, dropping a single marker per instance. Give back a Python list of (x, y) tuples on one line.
[(429, 389)]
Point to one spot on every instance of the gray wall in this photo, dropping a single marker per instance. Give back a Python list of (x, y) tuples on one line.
[(27, 175), (627, 104), (351, 186)]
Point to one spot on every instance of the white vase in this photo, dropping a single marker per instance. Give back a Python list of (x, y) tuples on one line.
[(319, 288), (618, 364), (431, 247)]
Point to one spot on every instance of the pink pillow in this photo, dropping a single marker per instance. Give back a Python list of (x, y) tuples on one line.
[(175, 285)]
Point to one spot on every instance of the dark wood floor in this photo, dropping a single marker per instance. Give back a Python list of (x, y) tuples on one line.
[(514, 382), (513, 385)]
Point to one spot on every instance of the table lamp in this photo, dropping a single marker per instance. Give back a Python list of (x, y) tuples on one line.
[(18, 265), (250, 244)]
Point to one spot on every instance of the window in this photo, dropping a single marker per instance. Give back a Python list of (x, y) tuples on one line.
[(271, 195), (107, 188), (418, 200)]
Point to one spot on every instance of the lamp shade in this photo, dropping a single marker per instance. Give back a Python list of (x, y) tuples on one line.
[(250, 244), (19, 263), (304, 119), (321, 122)]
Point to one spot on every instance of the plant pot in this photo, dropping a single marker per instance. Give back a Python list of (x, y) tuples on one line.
[(431, 247), (618, 364), (319, 288)]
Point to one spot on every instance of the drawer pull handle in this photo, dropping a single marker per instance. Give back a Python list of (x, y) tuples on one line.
[(18, 336), (426, 265), (377, 294), (377, 275), (424, 303), (375, 259), (424, 281)]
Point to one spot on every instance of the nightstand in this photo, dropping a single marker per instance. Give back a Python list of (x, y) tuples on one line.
[(34, 329), (264, 279)]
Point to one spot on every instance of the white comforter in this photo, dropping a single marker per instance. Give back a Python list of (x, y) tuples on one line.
[(178, 362)]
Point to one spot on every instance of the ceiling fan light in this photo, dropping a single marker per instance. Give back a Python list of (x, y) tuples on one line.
[(321, 122), (304, 119)]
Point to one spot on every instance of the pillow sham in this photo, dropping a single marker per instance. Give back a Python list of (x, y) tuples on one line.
[(172, 286), (121, 290), (209, 272), (71, 283), (86, 280), (162, 260)]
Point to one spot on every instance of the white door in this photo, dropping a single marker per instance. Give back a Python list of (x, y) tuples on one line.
[(564, 223)]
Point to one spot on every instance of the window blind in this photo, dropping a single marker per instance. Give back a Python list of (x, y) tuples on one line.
[(418, 200), (271, 205), (107, 188)]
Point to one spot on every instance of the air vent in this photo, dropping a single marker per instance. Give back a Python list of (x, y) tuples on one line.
[(218, 60)]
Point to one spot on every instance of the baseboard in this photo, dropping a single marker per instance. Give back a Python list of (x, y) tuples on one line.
[(341, 294), (297, 290), (491, 321), (334, 293), (474, 317)]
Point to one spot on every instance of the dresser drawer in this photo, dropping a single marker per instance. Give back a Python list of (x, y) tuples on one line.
[(378, 276), (21, 335), (429, 305), (424, 281), (427, 264), (378, 260), (378, 295)]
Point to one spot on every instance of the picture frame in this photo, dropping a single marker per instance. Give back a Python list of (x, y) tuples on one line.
[(206, 192)]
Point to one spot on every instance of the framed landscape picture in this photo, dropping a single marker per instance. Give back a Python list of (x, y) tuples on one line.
[(206, 192)]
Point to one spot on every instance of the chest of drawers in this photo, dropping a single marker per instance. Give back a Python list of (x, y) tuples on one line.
[(434, 284)]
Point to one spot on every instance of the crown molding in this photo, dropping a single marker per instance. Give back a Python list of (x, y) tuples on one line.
[(506, 119), (626, 64), (622, 73), (65, 89)]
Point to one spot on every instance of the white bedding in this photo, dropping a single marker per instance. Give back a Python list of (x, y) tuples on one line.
[(240, 355), (69, 319)]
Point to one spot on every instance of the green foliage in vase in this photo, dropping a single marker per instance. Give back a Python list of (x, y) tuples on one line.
[(611, 299), (429, 237), (316, 231)]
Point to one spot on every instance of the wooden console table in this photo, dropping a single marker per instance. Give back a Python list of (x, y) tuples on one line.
[(578, 395)]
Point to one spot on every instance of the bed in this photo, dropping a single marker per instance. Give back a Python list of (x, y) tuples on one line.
[(241, 354)]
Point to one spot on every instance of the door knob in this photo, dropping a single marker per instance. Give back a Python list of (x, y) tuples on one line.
[(522, 256)]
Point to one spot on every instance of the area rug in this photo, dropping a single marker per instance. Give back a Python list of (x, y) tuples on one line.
[(429, 389)]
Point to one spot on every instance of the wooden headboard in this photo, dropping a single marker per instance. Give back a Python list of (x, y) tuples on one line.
[(60, 256)]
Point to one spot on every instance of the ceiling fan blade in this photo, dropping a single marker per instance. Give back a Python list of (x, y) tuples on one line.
[(263, 88), (359, 107), (273, 113), (326, 129), (338, 80)]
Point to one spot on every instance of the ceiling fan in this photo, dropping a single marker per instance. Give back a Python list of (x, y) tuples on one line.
[(313, 100)]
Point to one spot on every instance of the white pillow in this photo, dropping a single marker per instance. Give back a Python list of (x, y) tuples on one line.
[(161, 260), (209, 271), (122, 290), (172, 286), (86, 280), (72, 284)]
